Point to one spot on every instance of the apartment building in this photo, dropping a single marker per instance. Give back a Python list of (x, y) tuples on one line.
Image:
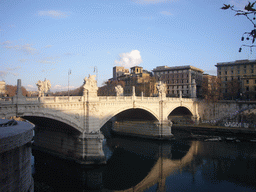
[(238, 78), (180, 79)]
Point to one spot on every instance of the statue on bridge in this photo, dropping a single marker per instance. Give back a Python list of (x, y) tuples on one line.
[(90, 86), (161, 87), (43, 87), (119, 90)]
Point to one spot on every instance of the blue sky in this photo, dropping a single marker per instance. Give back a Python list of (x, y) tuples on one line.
[(44, 38)]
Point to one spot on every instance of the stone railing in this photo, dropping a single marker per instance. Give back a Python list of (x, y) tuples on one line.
[(63, 99)]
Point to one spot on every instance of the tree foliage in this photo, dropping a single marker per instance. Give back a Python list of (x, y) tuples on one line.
[(211, 88), (108, 89), (11, 90), (233, 89), (76, 92), (249, 12)]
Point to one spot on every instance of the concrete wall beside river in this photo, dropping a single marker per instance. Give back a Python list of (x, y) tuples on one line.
[(223, 111)]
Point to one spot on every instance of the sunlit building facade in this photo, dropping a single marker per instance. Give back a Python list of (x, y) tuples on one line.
[(180, 79), (241, 71)]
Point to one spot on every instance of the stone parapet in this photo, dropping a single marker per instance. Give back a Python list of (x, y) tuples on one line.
[(15, 154)]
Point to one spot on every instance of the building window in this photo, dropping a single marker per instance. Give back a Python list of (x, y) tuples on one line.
[(247, 88), (226, 72), (252, 71), (245, 71), (226, 78), (238, 72), (238, 78), (245, 67), (232, 72), (247, 81)]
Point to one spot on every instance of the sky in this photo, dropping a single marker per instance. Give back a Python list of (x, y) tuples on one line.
[(44, 39)]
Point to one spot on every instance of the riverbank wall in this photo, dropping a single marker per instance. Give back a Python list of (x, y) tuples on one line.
[(143, 129), (228, 113), (191, 131)]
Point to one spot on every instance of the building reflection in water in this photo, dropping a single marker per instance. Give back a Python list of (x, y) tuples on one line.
[(147, 165)]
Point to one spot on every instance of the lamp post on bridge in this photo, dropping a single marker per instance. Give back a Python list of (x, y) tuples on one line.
[(69, 73), (96, 70)]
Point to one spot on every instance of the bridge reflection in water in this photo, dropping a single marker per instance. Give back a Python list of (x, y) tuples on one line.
[(147, 165)]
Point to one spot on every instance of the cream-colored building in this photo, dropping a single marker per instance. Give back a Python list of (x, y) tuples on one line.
[(141, 79), (2, 88), (119, 71), (180, 79), (243, 71)]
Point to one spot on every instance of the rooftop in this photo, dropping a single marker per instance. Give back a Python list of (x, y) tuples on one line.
[(165, 68), (237, 62)]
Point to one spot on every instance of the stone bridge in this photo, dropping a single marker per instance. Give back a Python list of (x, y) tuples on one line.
[(70, 126)]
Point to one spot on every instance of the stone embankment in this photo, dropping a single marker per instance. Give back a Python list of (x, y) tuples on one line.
[(244, 119), (145, 129), (209, 131)]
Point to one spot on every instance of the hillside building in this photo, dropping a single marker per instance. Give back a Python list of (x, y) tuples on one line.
[(143, 80)]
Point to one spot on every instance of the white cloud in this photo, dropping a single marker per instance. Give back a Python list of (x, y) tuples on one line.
[(68, 54), (9, 71), (48, 46), (26, 48), (53, 13), (12, 69), (166, 13), (152, 1), (6, 43), (3, 73), (23, 60), (48, 60), (129, 59)]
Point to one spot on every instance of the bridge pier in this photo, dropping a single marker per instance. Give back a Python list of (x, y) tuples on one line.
[(83, 148), (93, 152)]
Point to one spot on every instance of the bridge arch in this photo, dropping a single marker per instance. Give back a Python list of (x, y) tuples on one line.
[(120, 110), (47, 120), (70, 120), (181, 114)]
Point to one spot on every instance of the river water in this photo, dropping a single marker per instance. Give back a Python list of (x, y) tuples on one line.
[(147, 165)]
